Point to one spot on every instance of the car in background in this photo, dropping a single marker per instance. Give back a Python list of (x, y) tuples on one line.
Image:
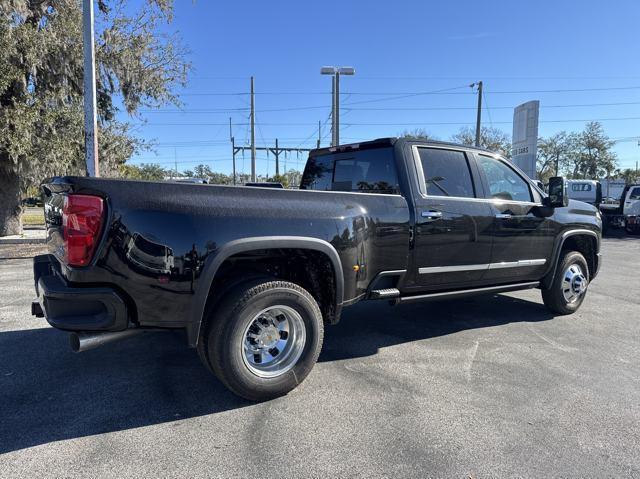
[(265, 184), (32, 202), (195, 181)]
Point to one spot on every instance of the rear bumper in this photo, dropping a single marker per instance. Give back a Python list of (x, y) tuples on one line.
[(75, 308)]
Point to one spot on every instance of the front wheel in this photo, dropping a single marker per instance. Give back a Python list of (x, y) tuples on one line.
[(569, 285), (264, 339)]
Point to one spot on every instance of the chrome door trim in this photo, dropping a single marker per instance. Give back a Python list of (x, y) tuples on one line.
[(477, 267), (518, 264)]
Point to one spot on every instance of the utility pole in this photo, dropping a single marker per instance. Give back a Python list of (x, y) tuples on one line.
[(479, 117), (90, 111), (175, 160), (277, 154), (319, 132), (233, 150), (337, 77), (253, 134)]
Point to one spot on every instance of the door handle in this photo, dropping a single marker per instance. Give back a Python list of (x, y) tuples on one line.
[(503, 216), (432, 215)]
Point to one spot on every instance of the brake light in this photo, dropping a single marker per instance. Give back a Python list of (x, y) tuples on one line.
[(82, 218)]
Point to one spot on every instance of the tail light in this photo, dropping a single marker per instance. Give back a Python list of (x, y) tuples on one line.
[(82, 218)]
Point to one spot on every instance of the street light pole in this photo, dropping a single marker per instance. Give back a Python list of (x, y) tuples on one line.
[(337, 77), (90, 110), (253, 134), (333, 111), (335, 72)]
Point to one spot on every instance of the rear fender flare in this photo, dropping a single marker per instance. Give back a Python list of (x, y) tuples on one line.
[(213, 263)]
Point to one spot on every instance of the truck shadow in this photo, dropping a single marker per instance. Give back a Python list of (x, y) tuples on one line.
[(49, 394), (371, 325)]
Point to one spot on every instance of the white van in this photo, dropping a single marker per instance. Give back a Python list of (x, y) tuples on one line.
[(589, 191)]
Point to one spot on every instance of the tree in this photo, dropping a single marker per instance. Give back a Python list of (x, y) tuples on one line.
[(145, 171), (418, 134), (283, 179), (41, 86), (205, 172), (554, 154), (491, 138), (592, 157), (219, 179), (629, 175)]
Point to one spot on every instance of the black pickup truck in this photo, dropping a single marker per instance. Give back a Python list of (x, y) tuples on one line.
[(254, 274)]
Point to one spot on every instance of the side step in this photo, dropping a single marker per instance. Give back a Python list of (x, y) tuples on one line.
[(469, 292), (384, 293)]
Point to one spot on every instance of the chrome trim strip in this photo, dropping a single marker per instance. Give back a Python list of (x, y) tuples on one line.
[(477, 267), (452, 269)]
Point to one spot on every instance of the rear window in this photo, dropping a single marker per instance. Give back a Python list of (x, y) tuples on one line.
[(635, 193), (365, 171)]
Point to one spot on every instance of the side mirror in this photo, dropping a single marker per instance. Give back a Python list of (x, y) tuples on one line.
[(598, 193), (557, 193)]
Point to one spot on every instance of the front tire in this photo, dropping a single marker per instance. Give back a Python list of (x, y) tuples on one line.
[(569, 286), (264, 338)]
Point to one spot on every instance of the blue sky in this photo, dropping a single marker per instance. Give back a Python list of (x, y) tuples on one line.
[(521, 50)]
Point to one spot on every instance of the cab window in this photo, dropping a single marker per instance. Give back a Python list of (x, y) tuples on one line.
[(364, 171), (504, 183)]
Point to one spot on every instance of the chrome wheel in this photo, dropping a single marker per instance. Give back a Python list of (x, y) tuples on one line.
[(574, 283), (273, 341)]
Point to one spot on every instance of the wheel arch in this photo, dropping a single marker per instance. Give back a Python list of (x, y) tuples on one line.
[(576, 238), (246, 245)]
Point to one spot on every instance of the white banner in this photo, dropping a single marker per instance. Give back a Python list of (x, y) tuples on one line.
[(525, 137)]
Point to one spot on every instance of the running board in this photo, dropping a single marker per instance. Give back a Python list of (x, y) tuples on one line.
[(388, 293), (468, 292)]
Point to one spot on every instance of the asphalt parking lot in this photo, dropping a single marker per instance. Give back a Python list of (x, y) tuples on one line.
[(484, 387)]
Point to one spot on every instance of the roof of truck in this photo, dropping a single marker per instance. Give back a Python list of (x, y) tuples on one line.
[(387, 142)]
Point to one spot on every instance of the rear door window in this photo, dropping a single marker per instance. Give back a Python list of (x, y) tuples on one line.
[(446, 173)]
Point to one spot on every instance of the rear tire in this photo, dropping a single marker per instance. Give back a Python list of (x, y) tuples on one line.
[(264, 338), (569, 286)]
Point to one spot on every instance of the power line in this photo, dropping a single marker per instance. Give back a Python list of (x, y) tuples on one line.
[(496, 122), (444, 108), (430, 108), (402, 124), (444, 91)]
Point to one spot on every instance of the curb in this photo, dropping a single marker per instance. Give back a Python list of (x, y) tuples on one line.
[(23, 241)]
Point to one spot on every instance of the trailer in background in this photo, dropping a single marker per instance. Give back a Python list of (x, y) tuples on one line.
[(626, 214)]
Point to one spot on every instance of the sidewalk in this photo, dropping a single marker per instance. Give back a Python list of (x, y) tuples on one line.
[(29, 236)]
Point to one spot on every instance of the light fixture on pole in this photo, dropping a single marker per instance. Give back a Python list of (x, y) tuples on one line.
[(335, 72)]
